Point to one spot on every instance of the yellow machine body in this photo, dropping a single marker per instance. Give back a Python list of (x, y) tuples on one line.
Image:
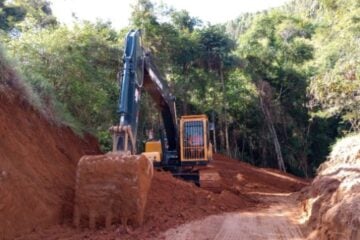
[(153, 151)]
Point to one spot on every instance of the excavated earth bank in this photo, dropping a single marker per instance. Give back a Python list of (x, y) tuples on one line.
[(37, 163), (331, 204)]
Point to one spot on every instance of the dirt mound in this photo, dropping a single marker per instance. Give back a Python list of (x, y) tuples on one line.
[(37, 165), (240, 177), (172, 202), (332, 202)]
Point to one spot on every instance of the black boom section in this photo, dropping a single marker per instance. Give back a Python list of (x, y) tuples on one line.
[(140, 72), (132, 79), (159, 91)]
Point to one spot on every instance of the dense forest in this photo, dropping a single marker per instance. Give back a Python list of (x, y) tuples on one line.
[(280, 85)]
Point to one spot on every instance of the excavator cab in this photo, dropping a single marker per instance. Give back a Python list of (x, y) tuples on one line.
[(195, 148), (196, 151)]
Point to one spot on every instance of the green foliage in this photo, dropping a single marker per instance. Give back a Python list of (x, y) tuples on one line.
[(240, 25), (336, 84), (215, 46), (275, 49), (12, 84), (242, 95), (9, 15), (183, 21), (73, 70), (310, 57), (38, 15)]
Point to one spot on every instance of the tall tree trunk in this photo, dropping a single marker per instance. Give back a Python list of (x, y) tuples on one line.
[(243, 148), (184, 107), (224, 117), (270, 124), (227, 144), (185, 90), (236, 150), (303, 155), (214, 131), (221, 135)]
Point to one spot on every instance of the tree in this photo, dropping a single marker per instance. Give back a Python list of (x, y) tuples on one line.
[(216, 46), (10, 14), (275, 49), (183, 21), (74, 72), (38, 15), (335, 87)]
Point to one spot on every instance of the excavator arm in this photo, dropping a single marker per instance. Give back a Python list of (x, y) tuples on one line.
[(159, 91), (140, 73)]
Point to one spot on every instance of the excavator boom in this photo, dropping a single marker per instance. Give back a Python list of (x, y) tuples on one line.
[(120, 180)]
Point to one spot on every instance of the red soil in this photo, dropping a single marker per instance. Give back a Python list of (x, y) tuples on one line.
[(240, 177), (37, 166), (331, 204), (172, 202)]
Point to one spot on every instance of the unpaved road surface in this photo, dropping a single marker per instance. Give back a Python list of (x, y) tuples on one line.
[(280, 221)]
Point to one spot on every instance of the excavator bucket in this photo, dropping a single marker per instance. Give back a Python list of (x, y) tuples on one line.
[(210, 180), (113, 186)]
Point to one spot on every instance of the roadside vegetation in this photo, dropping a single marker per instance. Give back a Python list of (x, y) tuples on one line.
[(280, 85)]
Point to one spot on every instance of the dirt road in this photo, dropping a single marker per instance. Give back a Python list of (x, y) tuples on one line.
[(280, 221)]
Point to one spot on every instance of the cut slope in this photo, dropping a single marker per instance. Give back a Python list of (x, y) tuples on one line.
[(332, 202), (37, 163)]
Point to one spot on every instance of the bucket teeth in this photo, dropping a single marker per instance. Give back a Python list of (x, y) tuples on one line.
[(113, 186)]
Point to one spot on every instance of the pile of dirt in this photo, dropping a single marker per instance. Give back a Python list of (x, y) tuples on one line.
[(172, 202), (37, 164), (332, 203), (240, 177)]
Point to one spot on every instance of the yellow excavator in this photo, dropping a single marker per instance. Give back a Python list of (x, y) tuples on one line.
[(116, 184)]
